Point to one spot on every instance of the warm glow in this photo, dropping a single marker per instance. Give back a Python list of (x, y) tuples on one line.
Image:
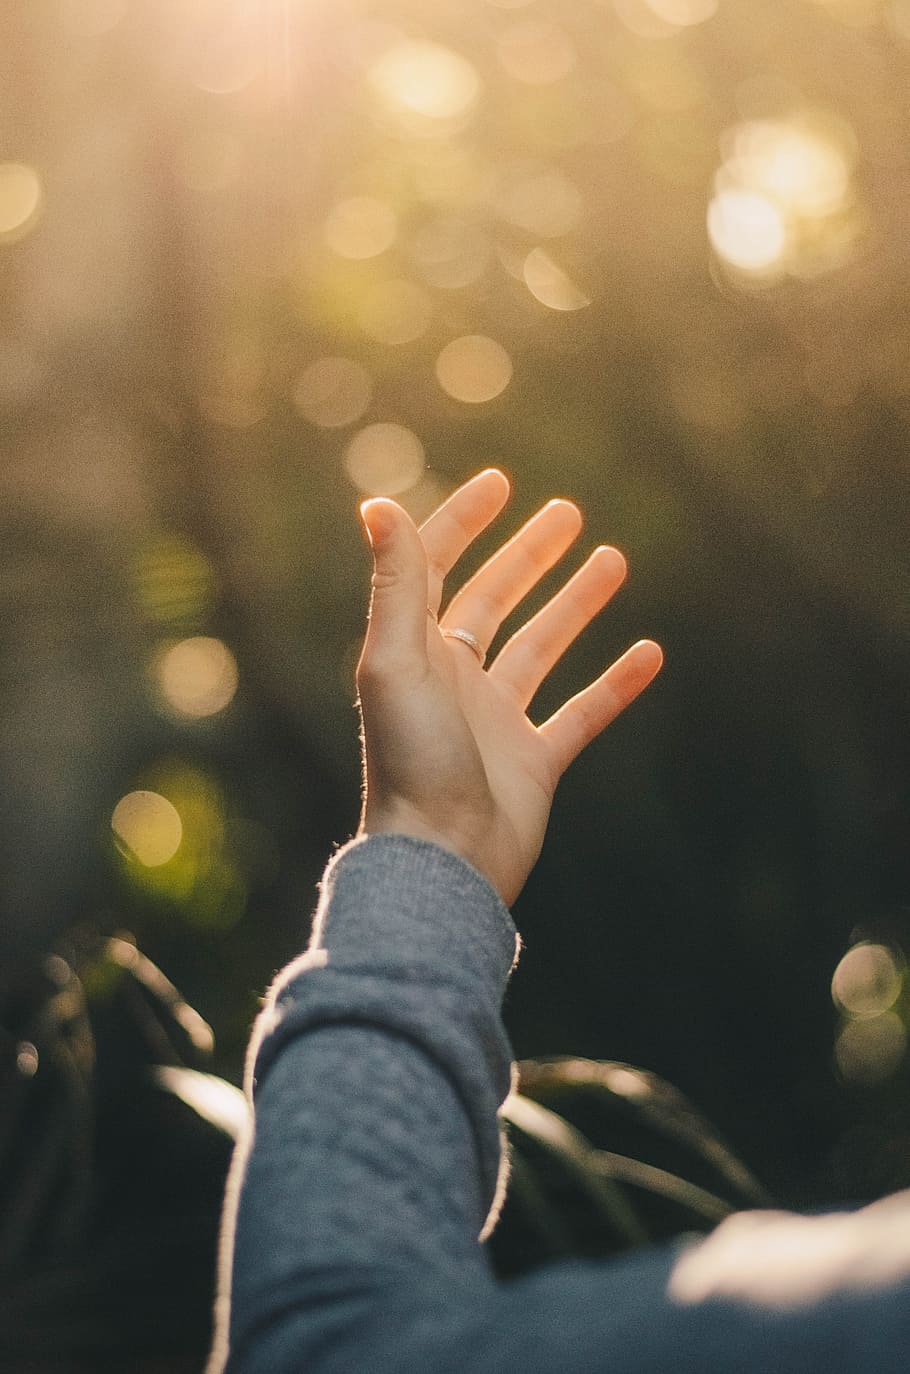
[(856, 13), (782, 197), (360, 227), (474, 369), (91, 18), (333, 392), (536, 52), (867, 980), (747, 230), (147, 828), (207, 163), (899, 16), (541, 200), (226, 68), (549, 284), (20, 200), (642, 19), (425, 79), (196, 677), (384, 459), (683, 12), (796, 166), (395, 312)]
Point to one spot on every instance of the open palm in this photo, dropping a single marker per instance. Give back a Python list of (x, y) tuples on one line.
[(450, 754)]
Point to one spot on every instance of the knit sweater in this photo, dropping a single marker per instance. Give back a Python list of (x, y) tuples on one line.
[(358, 1199)]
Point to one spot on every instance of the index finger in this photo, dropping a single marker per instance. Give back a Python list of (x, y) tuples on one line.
[(457, 523)]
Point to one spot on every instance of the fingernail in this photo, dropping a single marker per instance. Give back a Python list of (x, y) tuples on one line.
[(376, 518)]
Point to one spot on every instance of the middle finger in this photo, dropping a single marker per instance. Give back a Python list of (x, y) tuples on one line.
[(498, 586)]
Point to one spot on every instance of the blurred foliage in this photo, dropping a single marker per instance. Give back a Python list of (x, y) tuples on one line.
[(260, 257)]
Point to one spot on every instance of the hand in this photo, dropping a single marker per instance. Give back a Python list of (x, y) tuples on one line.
[(450, 754)]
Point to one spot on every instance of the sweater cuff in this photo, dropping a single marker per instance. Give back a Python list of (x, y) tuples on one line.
[(414, 906)]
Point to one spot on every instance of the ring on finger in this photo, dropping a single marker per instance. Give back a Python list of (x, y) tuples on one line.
[(465, 637)]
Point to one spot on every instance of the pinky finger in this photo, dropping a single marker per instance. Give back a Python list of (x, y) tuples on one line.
[(584, 716)]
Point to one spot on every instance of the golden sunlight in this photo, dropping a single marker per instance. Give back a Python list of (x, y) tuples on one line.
[(426, 80)]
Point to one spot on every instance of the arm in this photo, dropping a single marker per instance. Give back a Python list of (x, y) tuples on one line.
[(379, 1062)]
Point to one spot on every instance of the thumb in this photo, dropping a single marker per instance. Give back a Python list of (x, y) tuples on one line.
[(398, 607)]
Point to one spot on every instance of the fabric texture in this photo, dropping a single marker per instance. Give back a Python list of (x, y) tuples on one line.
[(373, 1165)]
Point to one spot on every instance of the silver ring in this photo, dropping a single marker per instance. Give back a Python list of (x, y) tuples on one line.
[(472, 642)]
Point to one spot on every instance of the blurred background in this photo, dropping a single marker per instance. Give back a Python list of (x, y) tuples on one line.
[(261, 258)]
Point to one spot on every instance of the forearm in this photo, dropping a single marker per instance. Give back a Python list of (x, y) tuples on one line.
[(379, 1065)]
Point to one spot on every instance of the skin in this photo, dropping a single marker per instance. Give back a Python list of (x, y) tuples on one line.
[(450, 754)]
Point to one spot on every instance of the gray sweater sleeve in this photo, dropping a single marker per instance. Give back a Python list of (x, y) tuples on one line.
[(356, 1203)]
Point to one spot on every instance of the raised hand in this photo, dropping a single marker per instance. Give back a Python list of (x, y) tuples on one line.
[(450, 754)]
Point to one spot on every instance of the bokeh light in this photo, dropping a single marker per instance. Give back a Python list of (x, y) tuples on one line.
[(360, 227), (384, 459), (474, 368), (868, 980), (803, 168), (174, 581), (178, 844), (20, 200), (747, 230), (783, 197), (147, 828), (333, 392), (196, 677), (425, 82), (27, 1059), (870, 1049), (550, 285)]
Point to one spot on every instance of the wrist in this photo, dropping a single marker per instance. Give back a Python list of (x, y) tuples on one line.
[(462, 841)]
